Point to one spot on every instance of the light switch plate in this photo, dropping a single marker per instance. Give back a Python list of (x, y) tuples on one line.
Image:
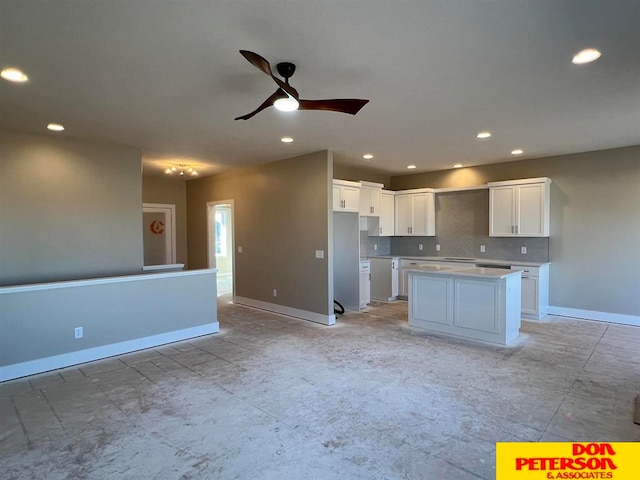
[(523, 250), (239, 249), (437, 247), (482, 249), (319, 253), (420, 246)]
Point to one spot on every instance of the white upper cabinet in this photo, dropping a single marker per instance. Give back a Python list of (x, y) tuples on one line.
[(415, 213), (519, 208), (370, 199), (346, 196)]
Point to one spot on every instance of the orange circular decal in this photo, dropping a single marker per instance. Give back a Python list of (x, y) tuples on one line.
[(157, 227)]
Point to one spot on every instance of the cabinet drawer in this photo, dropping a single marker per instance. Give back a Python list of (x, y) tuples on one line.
[(529, 271)]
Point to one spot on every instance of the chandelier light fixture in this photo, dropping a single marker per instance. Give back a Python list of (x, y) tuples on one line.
[(181, 170)]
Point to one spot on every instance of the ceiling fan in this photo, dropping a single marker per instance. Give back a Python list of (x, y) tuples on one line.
[(286, 97)]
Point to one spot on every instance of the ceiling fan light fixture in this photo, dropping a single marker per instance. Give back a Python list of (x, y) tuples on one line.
[(587, 55), (287, 104), (15, 75)]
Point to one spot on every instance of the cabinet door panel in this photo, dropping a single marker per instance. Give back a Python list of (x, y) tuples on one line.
[(387, 214), (529, 295), (337, 198), (404, 214), (364, 203), (501, 215), (530, 212), (351, 197), (374, 201), (419, 214)]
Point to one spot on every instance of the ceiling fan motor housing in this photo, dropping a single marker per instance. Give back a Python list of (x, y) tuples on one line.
[(286, 69)]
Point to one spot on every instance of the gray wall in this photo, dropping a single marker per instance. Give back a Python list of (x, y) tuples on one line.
[(595, 222), (282, 212), (38, 324), (462, 225), (356, 174), (170, 190), (68, 209)]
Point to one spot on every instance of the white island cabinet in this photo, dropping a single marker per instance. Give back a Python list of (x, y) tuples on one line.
[(476, 303)]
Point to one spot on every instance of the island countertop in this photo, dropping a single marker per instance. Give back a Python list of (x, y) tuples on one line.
[(481, 272)]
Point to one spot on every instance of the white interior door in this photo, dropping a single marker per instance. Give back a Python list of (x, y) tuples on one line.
[(159, 233)]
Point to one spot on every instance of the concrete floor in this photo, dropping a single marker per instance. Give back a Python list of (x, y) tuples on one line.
[(272, 397)]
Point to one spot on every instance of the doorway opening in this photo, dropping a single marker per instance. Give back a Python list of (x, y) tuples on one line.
[(220, 244), (159, 234)]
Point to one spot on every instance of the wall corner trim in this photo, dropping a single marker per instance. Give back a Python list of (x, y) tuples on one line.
[(284, 310), (55, 362), (595, 315)]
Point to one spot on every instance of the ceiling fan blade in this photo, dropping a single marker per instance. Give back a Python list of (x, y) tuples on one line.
[(257, 61), (263, 65), (342, 105), (266, 104)]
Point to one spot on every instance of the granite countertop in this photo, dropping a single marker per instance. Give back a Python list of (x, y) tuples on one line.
[(467, 261), (446, 270)]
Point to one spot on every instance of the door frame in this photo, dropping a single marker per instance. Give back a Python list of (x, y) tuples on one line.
[(211, 242), (170, 215)]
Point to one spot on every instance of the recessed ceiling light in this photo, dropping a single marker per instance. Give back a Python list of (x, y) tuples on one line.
[(517, 151), (457, 165), (13, 75), (411, 167), (286, 140), (586, 56), (56, 127), (367, 156), (483, 135)]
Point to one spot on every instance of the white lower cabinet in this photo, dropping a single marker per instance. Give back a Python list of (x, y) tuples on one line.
[(365, 283), (384, 279), (403, 276), (535, 290)]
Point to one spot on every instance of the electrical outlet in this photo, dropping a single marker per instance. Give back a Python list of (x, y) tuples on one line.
[(420, 246), (275, 292), (239, 249), (437, 247), (375, 246), (523, 250), (482, 249), (77, 332), (319, 253)]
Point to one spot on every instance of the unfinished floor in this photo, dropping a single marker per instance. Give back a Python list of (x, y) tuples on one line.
[(272, 397)]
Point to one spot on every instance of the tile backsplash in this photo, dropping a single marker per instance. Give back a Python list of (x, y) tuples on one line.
[(462, 226)]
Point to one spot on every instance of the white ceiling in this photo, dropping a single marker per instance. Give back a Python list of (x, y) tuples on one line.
[(166, 77)]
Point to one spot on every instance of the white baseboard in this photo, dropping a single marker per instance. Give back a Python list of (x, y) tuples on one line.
[(284, 310), (594, 315), (32, 367)]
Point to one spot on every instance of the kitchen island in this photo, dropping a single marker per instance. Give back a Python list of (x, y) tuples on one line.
[(476, 303)]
